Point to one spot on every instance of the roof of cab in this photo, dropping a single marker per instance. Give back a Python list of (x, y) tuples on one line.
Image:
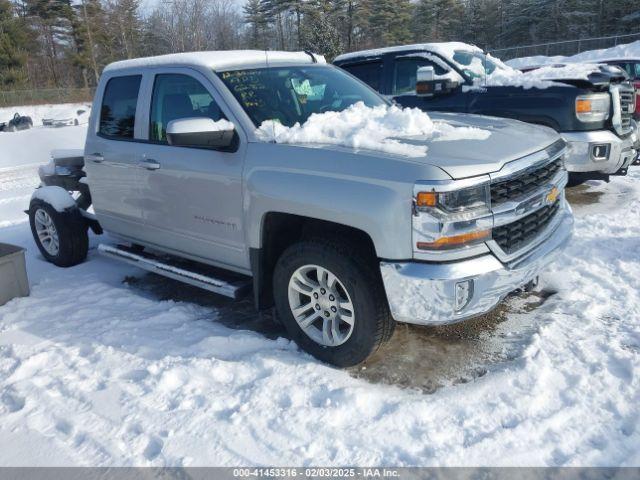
[(220, 60), (445, 49)]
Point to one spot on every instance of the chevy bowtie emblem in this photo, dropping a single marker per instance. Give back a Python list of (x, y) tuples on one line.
[(552, 196)]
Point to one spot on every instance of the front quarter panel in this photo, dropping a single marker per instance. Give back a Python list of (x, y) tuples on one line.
[(368, 192)]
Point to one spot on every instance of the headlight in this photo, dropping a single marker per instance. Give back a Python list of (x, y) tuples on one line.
[(593, 107), (451, 219), (456, 201)]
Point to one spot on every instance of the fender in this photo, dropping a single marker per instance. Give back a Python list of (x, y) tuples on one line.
[(368, 192)]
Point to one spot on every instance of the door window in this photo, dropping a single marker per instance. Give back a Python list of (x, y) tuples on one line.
[(369, 72), (118, 111), (179, 96), (405, 73)]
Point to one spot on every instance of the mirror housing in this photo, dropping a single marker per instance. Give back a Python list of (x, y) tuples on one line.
[(428, 84), (201, 132)]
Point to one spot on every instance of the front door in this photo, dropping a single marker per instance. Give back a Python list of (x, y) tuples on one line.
[(192, 197), (403, 86)]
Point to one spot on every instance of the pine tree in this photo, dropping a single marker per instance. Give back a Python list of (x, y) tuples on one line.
[(387, 22), (318, 32), (13, 45), (439, 20), (255, 17)]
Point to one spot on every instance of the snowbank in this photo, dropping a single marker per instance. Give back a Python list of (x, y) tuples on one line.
[(38, 112), (629, 50), (35, 145), (378, 129)]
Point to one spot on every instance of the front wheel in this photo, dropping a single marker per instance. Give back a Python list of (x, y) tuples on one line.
[(331, 300), (61, 237)]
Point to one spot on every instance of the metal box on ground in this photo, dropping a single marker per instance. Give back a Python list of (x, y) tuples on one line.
[(13, 273)]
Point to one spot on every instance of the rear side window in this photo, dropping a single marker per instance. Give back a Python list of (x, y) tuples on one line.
[(178, 96), (369, 72), (118, 112)]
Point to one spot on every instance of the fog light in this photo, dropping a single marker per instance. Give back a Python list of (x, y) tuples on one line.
[(463, 294), (600, 153)]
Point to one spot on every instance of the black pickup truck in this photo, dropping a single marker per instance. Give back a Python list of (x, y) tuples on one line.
[(591, 107)]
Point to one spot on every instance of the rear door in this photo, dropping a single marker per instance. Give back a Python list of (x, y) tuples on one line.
[(369, 71), (192, 197), (111, 154)]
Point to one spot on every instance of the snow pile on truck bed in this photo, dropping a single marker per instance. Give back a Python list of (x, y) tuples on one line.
[(370, 128), (628, 50)]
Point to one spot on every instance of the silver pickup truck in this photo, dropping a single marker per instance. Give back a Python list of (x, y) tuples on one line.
[(343, 241)]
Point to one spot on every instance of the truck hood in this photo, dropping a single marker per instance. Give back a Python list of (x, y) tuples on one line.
[(509, 141), (602, 76)]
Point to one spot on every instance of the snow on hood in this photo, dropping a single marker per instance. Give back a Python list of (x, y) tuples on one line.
[(380, 128), (541, 78), (619, 52)]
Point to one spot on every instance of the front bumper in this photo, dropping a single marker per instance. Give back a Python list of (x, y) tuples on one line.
[(580, 157), (424, 293)]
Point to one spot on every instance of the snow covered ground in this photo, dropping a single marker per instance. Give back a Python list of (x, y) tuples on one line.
[(98, 371), (38, 112)]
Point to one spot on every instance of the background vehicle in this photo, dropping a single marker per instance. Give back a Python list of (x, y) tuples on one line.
[(593, 113), (344, 241), (66, 116), (18, 122), (632, 67)]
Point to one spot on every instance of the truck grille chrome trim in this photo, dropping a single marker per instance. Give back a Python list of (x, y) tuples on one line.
[(623, 99), (517, 235), (525, 182)]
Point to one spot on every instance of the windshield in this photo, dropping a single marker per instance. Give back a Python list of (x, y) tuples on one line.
[(475, 64), (290, 95)]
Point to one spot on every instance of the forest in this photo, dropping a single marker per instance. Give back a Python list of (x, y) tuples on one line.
[(67, 43)]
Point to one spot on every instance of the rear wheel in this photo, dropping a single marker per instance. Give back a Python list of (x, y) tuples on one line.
[(331, 300), (61, 237)]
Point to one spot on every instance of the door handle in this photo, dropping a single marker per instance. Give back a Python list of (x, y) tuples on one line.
[(149, 164), (95, 157)]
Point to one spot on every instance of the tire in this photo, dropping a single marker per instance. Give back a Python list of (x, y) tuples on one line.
[(76, 123), (359, 282), (70, 229)]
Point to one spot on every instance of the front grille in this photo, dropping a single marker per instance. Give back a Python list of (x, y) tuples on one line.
[(627, 108), (516, 235), (525, 182)]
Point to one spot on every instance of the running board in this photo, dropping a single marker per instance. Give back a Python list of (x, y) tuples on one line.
[(233, 289)]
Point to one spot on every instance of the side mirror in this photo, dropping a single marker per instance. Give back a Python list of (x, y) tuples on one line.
[(201, 132), (428, 84)]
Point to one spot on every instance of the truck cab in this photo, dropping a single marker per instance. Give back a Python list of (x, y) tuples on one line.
[(593, 111)]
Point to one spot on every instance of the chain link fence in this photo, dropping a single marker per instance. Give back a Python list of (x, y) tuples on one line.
[(564, 48), (46, 95)]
